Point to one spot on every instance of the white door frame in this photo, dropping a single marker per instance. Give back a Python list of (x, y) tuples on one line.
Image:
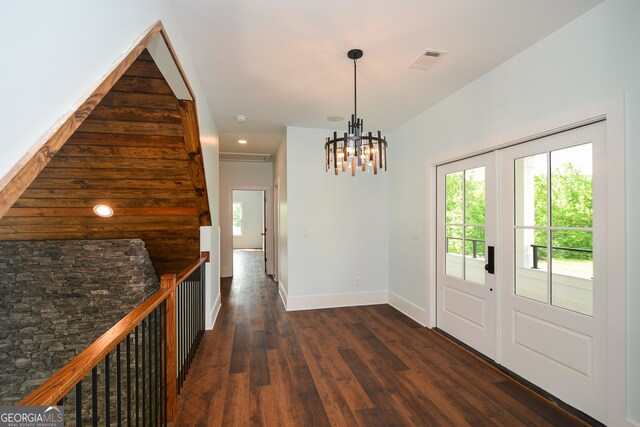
[(613, 111), (269, 249), (276, 229)]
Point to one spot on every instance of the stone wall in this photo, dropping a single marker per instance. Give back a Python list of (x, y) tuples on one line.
[(57, 297)]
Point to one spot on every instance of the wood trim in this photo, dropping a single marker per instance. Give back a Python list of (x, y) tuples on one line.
[(13, 184), (168, 283), (192, 144)]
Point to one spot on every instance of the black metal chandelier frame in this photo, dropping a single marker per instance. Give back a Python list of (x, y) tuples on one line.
[(356, 149)]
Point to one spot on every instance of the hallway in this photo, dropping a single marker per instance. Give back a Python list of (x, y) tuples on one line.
[(364, 366)]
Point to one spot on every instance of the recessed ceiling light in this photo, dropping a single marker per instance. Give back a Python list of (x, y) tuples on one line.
[(242, 141), (103, 210), (335, 118)]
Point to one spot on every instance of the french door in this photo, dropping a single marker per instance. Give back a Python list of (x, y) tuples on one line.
[(542, 314), (466, 294)]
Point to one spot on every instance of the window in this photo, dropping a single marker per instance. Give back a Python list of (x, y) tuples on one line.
[(237, 219), (465, 224), (554, 234)]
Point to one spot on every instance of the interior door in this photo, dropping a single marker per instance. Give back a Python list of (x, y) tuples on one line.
[(465, 239), (553, 298), (264, 229)]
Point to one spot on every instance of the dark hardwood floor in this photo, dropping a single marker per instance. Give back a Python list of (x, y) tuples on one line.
[(366, 366)]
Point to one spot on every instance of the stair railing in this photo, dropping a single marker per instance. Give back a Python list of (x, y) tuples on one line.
[(134, 372)]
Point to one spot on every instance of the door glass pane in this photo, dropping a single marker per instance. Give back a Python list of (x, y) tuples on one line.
[(571, 179), (474, 192), (572, 270), (531, 190), (474, 259), (454, 197), (531, 264), (453, 256)]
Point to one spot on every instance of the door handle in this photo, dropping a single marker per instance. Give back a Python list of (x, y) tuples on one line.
[(490, 266)]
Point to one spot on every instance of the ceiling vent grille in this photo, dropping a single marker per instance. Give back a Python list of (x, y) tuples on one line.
[(427, 59), (244, 157)]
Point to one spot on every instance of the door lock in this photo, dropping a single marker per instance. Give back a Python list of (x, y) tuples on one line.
[(490, 266)]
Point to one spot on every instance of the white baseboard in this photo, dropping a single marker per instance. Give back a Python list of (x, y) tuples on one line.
[(408, 308), (213, 314), (283, 294), (226, 272), (311, 302)]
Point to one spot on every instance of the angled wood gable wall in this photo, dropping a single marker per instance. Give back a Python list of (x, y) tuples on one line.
[(136, 149)]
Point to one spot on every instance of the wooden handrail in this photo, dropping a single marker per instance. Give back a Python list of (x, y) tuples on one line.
[(65, 379), (182, 276)]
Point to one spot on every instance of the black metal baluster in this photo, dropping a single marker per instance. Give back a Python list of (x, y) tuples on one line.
[(137, 381), (182, 310), (203, 277), (164, 332), (179, 333), (94, 396), (194, 311), (185, 336), (196, 302), (198, 306), (107, 390), (150, 351), (192, 306), (119, 386), (144, 375), (156, 354), (79, 404), (188, 335), (129, 380), (203, 315), (150, 367)]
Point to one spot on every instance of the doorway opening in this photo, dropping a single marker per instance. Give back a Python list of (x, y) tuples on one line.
[(249, 228)]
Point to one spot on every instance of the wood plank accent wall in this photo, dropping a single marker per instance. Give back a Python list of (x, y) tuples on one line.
[(27, 169), (136, 150)]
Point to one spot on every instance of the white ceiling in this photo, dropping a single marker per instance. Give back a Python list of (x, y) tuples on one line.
[(283, 62)]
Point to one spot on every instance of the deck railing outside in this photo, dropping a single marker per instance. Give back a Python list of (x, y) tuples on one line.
[(537, 249), (132, 374)]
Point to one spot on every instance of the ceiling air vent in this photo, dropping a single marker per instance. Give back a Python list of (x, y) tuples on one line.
[(244, 157), (427, 59)]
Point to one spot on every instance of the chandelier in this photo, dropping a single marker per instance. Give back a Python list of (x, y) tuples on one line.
[(356, 149)]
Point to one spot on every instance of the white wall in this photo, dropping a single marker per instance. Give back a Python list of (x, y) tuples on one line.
[(252, 219), (594, 58), (337, 227), (54, 54), (280, 178), (242, 175)]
